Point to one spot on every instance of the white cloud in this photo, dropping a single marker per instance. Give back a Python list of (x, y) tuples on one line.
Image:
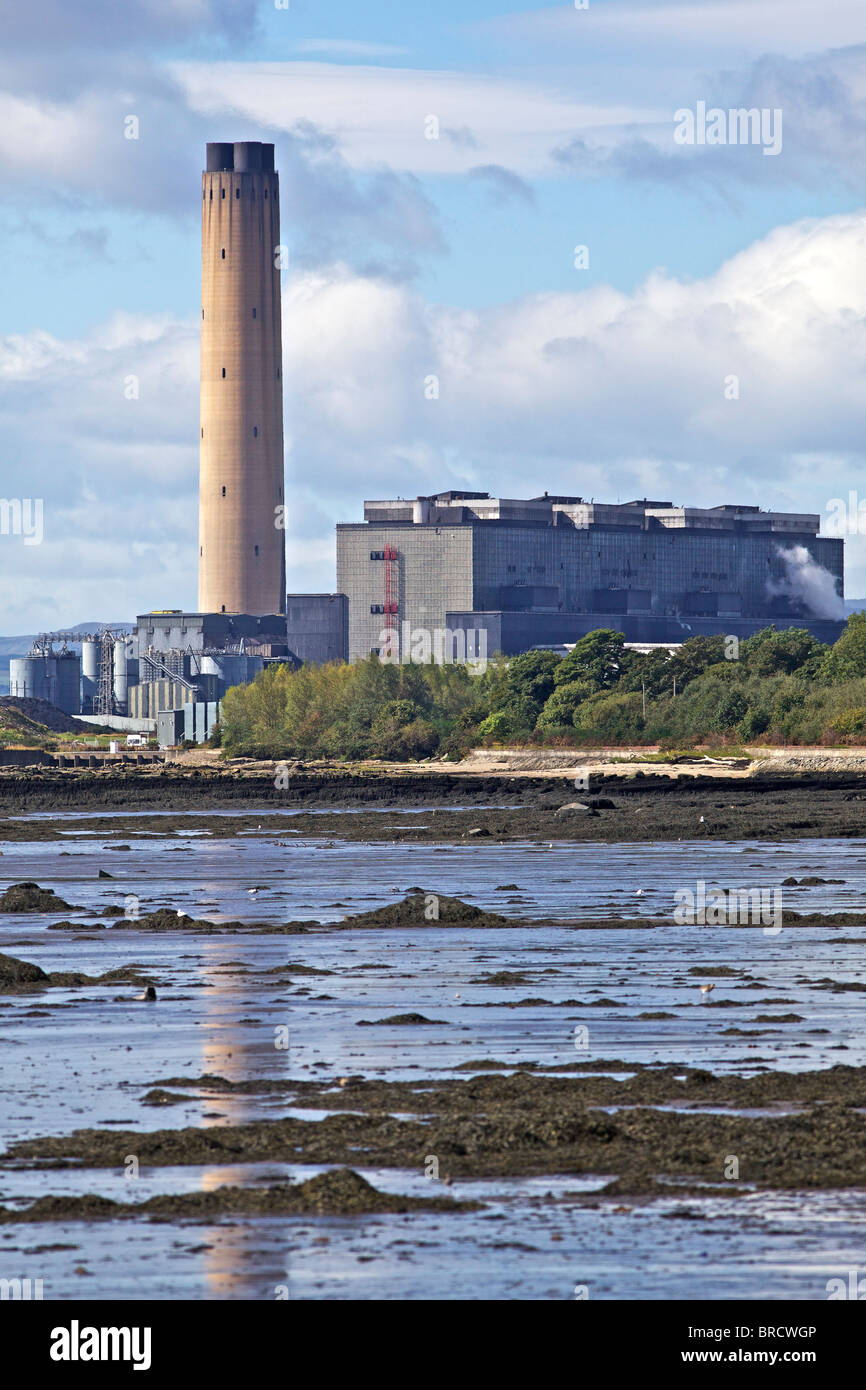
[(596, 392), (378, 114)]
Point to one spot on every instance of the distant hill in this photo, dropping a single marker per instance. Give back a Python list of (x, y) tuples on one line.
[(854, 605)]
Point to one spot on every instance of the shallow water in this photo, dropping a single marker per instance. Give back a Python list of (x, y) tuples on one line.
[(82, 1058)]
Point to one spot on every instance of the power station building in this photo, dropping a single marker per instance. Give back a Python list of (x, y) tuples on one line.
[(549, 569), (477, 574)]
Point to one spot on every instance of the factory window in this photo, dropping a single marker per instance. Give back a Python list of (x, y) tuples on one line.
[(266, 193), (255, 431), (202, 313), (224, 492), (377, 608), (223, 608), (377, 554), (254, 313), (278, 373), (201, 550), (224, 371), (223, 253), (374, 651), (237, 192), (222, 193), (211, 195), (202, 431), (256, 549)]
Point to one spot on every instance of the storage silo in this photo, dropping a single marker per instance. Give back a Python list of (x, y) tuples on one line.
[(232, 668), (34, 677), (67, 694), (89, 673), (121, 674)]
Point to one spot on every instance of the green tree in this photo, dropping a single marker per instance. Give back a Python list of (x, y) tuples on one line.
[(732, 707), (599, 658), (846, 659), (769, 652), (610, 718), (560, 709), (527, 685)]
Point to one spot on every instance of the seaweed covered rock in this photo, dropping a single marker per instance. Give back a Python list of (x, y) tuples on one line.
[(425, 909), (14, 972), (29, 897)]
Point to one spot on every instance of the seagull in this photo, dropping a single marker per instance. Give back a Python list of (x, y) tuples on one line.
[(639, 893), (181, 913), (706, 990), (252, 892), (457, 996)]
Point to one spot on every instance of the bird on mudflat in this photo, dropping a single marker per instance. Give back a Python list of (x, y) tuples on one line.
[(706, 990)]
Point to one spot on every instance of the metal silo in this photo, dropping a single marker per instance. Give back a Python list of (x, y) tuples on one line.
[(121, 674), (67, 694), (33, 677), (89, 672)]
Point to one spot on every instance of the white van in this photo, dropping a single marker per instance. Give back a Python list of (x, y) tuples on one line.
[(136, 740)]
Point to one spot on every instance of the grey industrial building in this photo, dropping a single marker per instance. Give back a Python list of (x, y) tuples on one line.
[(317, 627), (550, 569)]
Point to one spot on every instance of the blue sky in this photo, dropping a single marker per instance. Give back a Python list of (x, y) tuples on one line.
[(409, 255)]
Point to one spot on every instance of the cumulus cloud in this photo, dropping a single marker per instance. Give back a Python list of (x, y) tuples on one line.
[(818, 108), (103, 24), (744, 386)]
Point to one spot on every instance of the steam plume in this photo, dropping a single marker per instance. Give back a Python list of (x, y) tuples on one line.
[(809, 583)]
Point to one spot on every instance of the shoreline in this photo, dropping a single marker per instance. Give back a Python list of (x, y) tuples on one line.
[(630, 807)]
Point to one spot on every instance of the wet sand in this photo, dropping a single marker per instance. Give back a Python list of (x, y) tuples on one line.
[(566, 1078), (366, 805)]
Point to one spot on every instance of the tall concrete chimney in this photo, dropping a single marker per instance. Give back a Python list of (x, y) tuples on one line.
[(242, 558)]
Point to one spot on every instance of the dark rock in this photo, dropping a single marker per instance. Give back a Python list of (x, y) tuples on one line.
[(29, 897)]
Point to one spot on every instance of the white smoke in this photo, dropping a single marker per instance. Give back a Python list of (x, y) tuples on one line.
[(807, 582)]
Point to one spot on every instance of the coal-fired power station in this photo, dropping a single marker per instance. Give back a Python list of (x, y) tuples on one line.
[(241, 537), (440, 577)]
